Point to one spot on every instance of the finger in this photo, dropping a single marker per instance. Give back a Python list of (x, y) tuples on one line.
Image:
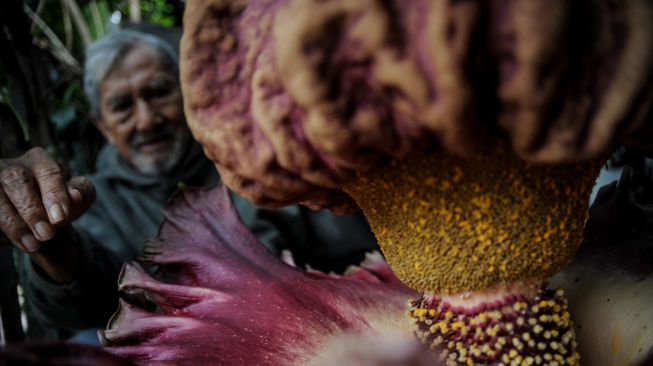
[(21, 190), (82, 195), (51, 181), (15, 228)]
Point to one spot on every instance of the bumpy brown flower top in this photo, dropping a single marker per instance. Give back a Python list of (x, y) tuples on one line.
[(293, 98)]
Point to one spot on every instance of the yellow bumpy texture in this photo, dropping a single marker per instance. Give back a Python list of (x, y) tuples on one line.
[(514, 331), (448, 224)]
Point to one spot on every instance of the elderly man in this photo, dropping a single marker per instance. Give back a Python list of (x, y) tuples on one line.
[(76, 232)]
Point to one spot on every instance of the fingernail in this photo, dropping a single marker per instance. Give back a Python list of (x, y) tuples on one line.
[(75, 195), (44, 230), (30, 242), (56, 213)]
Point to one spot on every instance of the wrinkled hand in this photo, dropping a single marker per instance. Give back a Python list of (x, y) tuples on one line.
[(37, 198)]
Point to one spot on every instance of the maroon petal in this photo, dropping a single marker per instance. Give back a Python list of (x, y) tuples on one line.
[(221, 298)]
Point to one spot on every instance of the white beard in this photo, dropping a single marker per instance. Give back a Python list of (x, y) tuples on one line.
[(159, 163)]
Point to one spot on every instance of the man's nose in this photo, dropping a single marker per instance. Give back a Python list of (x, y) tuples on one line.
[(146, 117)]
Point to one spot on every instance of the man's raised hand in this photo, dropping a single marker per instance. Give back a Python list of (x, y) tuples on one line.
[(37, 197)]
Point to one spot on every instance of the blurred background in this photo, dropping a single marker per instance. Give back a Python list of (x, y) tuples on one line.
[(42, 42)]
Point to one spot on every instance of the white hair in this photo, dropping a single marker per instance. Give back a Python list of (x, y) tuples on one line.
[(104, 53)]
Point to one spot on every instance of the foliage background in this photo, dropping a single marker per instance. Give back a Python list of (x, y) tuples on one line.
[(42, 102)]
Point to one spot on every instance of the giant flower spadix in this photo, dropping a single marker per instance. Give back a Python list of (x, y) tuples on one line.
[(369, 103), (219, 298)]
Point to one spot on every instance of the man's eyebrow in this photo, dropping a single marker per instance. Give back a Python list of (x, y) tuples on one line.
[(116, 98)]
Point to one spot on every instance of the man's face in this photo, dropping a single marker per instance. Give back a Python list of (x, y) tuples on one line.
[(142, 112)]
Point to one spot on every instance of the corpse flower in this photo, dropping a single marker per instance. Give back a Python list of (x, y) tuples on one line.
[(434, 117), (431, 116), (219, 298)]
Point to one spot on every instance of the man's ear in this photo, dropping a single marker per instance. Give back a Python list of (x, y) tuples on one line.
[(104, 130)]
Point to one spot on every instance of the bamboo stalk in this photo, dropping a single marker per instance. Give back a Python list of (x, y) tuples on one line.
[(97, 19), (80, 21), (135, 11), (59, 50), (39, 9), (67, 25)]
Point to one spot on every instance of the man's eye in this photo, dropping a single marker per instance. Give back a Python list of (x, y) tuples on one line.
[(121, 106), (160, 92)]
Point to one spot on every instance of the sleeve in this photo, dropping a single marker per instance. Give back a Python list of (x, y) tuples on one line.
[(319, 239), (89, 299), (277, 229)]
